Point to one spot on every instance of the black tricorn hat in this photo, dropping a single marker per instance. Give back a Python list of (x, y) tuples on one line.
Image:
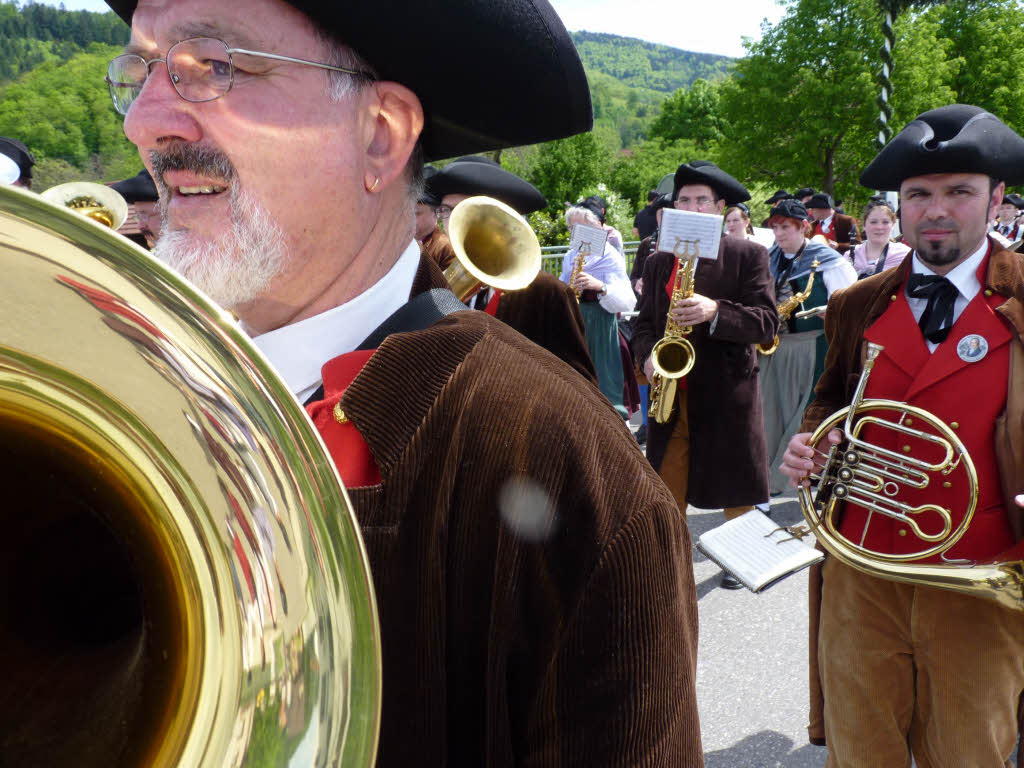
[(957, 138), (663, 201), (19, 153), (139, 188), (791, 208), (477, 175), (1015, 200), (703, 172), (820, 200), (483, 71), (780, 194), (803, 192)]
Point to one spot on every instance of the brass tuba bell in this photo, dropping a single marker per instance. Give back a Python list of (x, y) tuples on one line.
[(185, 583), (878, 480), (493, 246)]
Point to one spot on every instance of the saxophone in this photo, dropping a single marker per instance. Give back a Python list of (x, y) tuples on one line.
[(581, 256), (672, 355), (785, 309)]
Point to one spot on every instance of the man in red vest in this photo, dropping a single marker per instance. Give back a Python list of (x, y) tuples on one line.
[(905, 669)]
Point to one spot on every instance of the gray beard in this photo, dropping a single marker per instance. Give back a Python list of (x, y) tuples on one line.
[(236, 268)]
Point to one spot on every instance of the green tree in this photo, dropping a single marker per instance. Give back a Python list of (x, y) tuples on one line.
[(635, 172), (562, 169), (691, 113)]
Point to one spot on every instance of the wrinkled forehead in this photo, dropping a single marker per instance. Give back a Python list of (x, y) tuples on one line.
[(262, 25)]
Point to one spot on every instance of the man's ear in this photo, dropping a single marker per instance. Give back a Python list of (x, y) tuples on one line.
[(397, 123), (996, 199)]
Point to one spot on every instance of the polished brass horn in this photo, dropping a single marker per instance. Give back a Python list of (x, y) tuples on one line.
[(493, 246), (880, 481), (672, 356), (184, 579), (95, 201)]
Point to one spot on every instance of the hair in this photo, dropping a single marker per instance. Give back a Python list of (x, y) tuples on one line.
[(874, 203), (584, 213), (777, 219), (652, 195), (343, 85)]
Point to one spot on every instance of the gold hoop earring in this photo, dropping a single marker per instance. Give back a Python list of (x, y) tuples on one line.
[(376, 181)]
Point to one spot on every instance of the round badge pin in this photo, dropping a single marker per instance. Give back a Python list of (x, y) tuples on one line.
[(972, 348)]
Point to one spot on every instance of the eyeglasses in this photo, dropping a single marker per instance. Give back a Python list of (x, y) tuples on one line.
[(444, 211), (700, 202), (200, 68)]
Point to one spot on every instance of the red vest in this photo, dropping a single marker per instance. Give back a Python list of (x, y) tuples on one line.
[(351, 455), (970, 394)]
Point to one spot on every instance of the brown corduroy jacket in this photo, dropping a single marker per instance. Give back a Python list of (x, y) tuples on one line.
[(533, 576), (728, 458), (850, 313)]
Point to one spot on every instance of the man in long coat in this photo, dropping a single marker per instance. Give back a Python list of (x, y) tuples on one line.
[(711, 452), (533, 577), (911, 669)]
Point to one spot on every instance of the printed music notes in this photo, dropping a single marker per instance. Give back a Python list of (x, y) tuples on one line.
[(685, 233)]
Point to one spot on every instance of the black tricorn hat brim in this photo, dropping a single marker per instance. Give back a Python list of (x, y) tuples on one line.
[(790, 208), (820, 200), (958, 138), (472, 65), (1014, 199), (139, 188), (779, 195), (477, 175), (703, 172)]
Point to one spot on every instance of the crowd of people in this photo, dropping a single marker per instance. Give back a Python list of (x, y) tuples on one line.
[(292, 186)]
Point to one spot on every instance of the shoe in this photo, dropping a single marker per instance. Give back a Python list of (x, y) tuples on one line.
[(730, 582)]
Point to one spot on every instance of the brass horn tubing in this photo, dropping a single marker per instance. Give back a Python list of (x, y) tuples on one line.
[(900, 511), (895, 426), (1002, 583)]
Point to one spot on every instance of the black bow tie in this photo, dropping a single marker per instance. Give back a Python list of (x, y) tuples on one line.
[(937, 319)]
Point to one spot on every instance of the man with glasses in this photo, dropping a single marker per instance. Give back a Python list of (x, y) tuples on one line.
[(533, 579), (711, 452), (546, 311)]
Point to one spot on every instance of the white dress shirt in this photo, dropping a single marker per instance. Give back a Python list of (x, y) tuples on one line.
[(298, 351), (963, 276)]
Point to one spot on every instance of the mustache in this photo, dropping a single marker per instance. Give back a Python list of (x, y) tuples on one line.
[(198, 159)]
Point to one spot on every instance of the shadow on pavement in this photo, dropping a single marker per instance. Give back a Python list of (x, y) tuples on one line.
[(767, 749)]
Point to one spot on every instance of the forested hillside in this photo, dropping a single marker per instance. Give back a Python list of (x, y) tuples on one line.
[(647, 66), (37, 33)]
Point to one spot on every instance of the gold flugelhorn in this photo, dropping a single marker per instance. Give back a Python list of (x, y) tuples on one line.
[(493, 246), (94, 201), (185, 582), (874, 477), (672, 356)]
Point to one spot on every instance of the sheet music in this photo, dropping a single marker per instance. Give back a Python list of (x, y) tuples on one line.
[(588, 241), (685, 233), (756, 551), (764, 236)]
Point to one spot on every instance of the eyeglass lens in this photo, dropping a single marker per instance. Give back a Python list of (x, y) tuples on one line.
[(200, 70)]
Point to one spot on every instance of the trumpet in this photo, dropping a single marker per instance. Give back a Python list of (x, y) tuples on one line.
[(878, 480), (94, 201), (672, 355), (785, 309), (493, 246)]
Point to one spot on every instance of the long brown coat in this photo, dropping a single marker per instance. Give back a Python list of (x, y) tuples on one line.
[(547, 313), (850, 313), (728, 459), (533, 576)]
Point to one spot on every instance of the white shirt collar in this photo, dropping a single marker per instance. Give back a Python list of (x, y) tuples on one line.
[(827, 223), (298, 351)]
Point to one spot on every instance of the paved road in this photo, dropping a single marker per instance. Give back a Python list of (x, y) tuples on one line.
[(752, 663)]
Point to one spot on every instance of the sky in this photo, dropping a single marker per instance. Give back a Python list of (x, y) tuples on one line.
[(717, 27)]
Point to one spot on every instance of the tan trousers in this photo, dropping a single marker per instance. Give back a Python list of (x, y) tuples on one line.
[(675, 466), (916, 670)]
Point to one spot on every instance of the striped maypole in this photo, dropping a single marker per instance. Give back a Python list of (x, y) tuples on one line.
[(884, 83)]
